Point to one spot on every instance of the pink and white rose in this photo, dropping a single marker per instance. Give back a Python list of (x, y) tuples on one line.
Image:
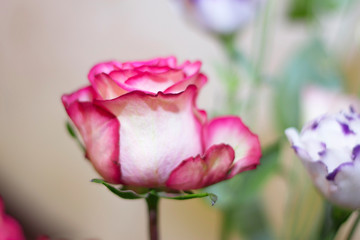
[(141, 127)]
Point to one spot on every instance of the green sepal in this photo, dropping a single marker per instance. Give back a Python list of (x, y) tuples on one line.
[(123, 193), (72, 133), (127, 192), (70, 130), (185, 196)]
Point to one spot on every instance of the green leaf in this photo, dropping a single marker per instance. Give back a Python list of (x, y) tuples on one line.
[(126, 194), (213, 197), (310, 10), (70, 130), (72, 133)]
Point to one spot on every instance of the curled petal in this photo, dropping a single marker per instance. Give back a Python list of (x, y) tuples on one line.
[(198, 172), (198, 80), (86, 94), (99, 130), (231, 130), (105, 67), (106, 87), (157, 132)]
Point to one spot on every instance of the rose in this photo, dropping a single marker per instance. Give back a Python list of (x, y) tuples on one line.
[(222, 17), (141, 127), (329, 148), (10, 229)]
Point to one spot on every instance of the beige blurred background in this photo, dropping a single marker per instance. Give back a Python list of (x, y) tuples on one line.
[(46, 49)]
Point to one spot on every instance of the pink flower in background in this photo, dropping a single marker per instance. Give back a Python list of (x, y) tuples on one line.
[(329, 148), (220, 16), (10, 229), (141, 127)]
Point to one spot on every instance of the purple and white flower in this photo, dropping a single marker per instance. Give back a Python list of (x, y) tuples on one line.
[(220, 16), (329, 148)]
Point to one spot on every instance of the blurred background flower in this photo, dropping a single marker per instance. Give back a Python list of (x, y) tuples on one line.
[(222, 17), (329, 147), (10, 229)]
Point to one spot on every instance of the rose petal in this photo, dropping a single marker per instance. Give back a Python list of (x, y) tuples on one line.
[(104, 67), (100, 132), (155, 83), (198, 172), (197, 80), (106, 87), (121, 76), (231, 130), (190, 68), (156, 134), (86, 94)]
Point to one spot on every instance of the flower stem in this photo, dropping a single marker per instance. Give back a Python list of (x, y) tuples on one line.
[(353, 228), (152, 203)]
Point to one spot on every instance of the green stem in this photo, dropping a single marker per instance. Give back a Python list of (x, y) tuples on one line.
[(226, 226), (327, 231), (262, 44), (152, 203), (353, 228)]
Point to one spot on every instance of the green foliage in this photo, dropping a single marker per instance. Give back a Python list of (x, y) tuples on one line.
[(309, 10), (70, 130), (334, 217), (137, 193), (311, 65), (72, 133)]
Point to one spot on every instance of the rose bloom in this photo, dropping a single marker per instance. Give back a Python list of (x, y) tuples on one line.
[(329, 148), (220, 16), (141, 127), (10, 229)]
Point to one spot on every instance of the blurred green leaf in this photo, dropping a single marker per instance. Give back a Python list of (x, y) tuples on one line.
[(333, 219), (70, 130), (309, 10), (312, 64), (72, 133), (251, 221)]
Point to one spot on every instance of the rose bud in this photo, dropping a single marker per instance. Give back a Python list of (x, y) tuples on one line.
[(141, 127), (223, 17), (329, 148)]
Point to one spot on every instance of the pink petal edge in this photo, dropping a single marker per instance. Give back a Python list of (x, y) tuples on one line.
[(199, 172), (100, 132), (231, 130)]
